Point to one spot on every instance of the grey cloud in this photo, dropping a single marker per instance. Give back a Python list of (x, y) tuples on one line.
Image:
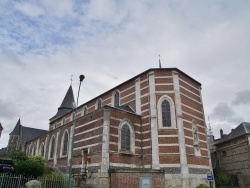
[(223, 112), (242, 97), (7, 109)]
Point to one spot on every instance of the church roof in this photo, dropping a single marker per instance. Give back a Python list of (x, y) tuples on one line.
[(242, 129), (29, 133), (67, 104), (16, 130), (1, 127)]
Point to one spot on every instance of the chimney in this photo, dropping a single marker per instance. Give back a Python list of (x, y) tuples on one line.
[(221, 133)]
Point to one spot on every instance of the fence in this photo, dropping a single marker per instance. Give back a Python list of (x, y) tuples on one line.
[(18, 181)]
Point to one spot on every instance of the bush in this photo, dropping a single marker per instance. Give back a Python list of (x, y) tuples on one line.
[(223, 179), (33, 184), (33, 166), (201, 186)]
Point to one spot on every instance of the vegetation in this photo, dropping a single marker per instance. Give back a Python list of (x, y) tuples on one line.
[(201, 186), (33, 184), (223, 179)]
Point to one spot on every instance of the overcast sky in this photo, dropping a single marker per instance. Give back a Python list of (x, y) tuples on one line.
[(42, 43)]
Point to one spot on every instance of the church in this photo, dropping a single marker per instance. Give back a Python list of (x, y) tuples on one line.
[(149, 130)]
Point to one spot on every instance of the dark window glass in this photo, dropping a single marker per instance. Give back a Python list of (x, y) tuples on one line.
[(85, 111), (116, 99), (34, 151), (125, 137), (52, 147), (166, 117), (99, 105), (42, 150), (65, 143)]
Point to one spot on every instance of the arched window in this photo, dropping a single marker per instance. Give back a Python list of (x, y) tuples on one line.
[(166, 116), (117, 99), (166, 112), (42, 149), (34, 149), (65, 143), (125, 137), (84, 110), (99, 104), (126, 142), (27, 150), (52, 148)]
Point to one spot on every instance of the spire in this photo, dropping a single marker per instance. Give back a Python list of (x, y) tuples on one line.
[(67, 104), (17, 129), (159, 61)]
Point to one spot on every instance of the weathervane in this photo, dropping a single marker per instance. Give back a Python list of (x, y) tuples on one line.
[(71, 79)]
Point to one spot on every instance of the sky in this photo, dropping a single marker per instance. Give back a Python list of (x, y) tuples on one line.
[(43, 43)]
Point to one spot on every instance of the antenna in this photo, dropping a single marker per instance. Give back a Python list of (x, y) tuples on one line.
[(210, 132)]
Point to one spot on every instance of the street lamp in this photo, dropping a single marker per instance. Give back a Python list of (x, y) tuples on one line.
[(81, 77)]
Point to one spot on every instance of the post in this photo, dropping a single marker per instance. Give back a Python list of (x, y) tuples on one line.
[(81, 77)]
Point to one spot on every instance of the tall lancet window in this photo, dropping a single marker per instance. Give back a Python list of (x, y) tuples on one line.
[(117, 99), (99, 104), (166, 114), (65, 143), (125, 137), (52, 147)]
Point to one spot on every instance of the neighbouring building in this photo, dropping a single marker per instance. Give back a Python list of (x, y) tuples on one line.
[(149, 130), (1, 129), (21, 135), (232, 149)]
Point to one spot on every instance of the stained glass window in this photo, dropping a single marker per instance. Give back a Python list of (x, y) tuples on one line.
[(166, 114), (125, 137)]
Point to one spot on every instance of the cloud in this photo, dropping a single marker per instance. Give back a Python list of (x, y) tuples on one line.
[(223, 112), (242, 97), (8, 109), (29, 9)]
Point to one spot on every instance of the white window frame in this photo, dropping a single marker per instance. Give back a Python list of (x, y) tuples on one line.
[(172, 112), (113, 97), (40, 150), (50, 143), (83, 110), (132, 136), (62, 142), (96, 104)]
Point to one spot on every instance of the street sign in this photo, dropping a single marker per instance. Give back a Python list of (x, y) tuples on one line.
[(209, 176)]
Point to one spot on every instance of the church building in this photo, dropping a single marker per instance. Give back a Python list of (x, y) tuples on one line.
[(149, 130)]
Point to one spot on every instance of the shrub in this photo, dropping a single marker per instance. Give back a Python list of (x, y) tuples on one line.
[(201, 186), (33, 184), (223, 179)]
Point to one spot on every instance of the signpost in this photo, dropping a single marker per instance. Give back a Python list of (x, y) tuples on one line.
[(210, 179)]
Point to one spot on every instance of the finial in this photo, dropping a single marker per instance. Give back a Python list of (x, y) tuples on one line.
[(159, 61), (71, 79)]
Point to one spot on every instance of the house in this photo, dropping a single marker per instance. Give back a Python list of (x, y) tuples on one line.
[(149, 130), (233, 150)]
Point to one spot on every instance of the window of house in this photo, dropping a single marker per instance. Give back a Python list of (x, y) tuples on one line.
[(99, 104), (117, 99), (166, 116), (125, 137), (166, 112), (65, 143), (126, 142), (52, 147), (84, 110), (34, 150), (73, 116), (42, 149)]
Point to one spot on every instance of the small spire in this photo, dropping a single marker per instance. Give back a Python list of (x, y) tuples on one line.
[(159, 61), (71, 79)]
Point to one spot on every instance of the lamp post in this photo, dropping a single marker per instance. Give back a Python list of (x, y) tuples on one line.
[(81, 77)]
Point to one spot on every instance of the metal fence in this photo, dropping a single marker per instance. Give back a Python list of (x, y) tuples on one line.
[(18, 181)]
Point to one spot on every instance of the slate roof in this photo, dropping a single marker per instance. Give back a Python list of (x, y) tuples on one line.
[(67, 104), (3, 150), (126, 108), (16, 130), (242, 129), (1, 127), (29, 133)]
